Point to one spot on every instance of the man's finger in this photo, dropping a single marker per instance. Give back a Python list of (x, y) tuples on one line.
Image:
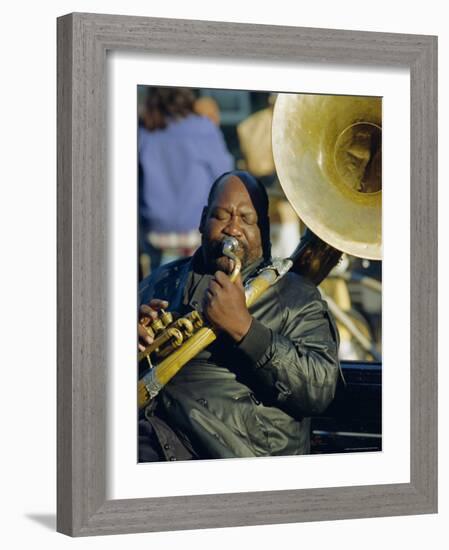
[(222, 278), (158, 304), (214, 287), (147, 311), (144, 335), (239, 282)]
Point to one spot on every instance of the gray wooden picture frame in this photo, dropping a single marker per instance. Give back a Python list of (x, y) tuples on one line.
[(83, 41)]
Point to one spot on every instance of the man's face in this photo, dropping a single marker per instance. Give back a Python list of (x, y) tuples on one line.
[(231, 214)]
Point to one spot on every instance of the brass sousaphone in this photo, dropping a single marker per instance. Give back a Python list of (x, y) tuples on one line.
[(328, 156)]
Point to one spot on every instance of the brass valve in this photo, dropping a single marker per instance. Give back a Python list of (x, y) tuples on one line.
[(158, 326), (166, 317)]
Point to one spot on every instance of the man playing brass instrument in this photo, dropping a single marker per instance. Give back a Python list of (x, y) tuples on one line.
[(252, 391)]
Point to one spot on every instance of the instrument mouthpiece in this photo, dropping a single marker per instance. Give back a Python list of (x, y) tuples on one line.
[(230, 245)]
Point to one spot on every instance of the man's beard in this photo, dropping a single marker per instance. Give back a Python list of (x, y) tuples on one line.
[(216, 260)]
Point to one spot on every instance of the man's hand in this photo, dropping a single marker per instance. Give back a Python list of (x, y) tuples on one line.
[(148, 314), (225, 306)]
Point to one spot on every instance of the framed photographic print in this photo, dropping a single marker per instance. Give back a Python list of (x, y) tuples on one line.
[(234, 83)]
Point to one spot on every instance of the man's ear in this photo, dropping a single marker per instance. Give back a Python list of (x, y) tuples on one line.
[(203, 220)]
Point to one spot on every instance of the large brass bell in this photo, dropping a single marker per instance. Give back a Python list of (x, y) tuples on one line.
[(327, 151)]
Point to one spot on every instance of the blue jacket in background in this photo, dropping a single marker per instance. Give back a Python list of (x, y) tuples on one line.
[(177, 168)]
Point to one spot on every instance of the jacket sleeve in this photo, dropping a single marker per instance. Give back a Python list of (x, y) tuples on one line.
[(298, 366)]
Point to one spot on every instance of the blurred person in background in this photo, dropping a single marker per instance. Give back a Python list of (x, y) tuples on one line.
[(180, 154), (208, 107), (254, 134)]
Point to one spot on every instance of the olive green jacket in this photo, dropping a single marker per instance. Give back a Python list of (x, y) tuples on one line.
[(253, 398)]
